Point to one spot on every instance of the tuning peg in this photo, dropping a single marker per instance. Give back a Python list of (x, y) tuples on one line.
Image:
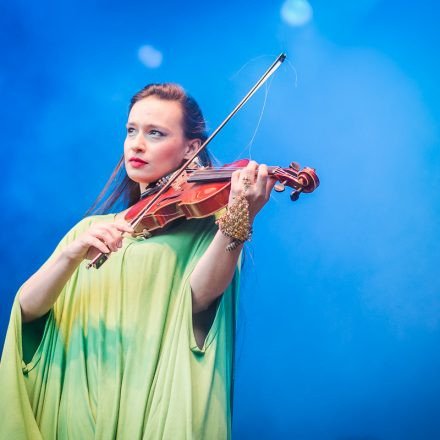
[(279, 187), (295, 166), (294, 195)]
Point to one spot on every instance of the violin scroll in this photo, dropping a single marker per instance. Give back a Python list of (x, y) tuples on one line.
[(308, 181), (305, 180)]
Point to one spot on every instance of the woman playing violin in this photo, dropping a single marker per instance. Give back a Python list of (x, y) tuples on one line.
[(142, 347)]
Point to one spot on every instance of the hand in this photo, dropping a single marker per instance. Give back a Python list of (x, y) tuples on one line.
[(100, 237), (257, 187)]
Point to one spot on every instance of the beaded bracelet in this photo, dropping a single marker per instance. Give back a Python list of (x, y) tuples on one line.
[(235, 224)]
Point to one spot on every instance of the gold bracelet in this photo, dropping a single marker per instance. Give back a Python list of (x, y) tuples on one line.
[(235, 223)]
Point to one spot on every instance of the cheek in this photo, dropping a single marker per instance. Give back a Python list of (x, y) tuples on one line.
[(171, 153), (126, 155), (125, 147)]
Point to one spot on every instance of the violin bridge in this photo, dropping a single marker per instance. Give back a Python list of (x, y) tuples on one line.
[(180, 181)]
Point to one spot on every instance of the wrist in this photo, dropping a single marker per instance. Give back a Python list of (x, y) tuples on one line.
[(236, 222), (70, 257)]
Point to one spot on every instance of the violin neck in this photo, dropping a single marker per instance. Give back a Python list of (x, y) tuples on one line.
[(220, 174)]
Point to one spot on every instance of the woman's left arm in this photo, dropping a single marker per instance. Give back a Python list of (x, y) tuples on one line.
[(215, 269)]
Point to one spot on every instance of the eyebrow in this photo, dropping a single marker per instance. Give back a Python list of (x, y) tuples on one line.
[(128, 124)]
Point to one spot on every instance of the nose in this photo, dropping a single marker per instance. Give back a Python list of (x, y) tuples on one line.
[(137, 148), (138, 144)]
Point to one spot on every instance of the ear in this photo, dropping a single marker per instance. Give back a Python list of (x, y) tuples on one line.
[(191, 147)]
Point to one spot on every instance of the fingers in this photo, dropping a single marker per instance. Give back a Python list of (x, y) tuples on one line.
[(269, 186), (123, 227), (110, 235), (270, 183), (98, 244), (242, 180), (118, 227), (235, 178), (264, 183), (100, 237), (253, 181), (250, 171), (262, 179)]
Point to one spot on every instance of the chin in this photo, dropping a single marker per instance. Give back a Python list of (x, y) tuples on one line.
[(143, 177), (142, 181), (140, 176)]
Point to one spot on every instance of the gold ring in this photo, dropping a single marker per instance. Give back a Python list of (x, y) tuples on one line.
[(246, 182)]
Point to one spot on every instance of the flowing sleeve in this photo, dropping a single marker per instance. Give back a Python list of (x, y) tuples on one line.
[(211, 364), (225, 313), (227, 303), (22, 350)]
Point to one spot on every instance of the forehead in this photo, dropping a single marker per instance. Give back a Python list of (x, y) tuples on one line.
[(153, 110)]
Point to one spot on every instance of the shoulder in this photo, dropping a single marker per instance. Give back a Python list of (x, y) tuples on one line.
[(87, 221), (120, 215)]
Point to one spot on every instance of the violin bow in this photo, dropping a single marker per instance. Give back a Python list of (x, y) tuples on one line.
[(101, 258)]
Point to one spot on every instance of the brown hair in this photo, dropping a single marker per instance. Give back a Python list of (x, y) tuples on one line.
[(126, 192)]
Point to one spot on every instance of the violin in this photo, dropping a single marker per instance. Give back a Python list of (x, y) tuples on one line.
[(200, 192)]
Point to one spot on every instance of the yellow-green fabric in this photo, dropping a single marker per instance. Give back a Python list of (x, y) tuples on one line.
[(116, 356)]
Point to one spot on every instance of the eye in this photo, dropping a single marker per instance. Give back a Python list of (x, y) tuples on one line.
[(156, 133), (130, 131)]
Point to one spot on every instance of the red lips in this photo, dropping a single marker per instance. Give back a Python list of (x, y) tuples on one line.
[(136, 162), (137, 159)]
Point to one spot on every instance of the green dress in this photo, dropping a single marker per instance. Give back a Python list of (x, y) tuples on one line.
[(116, 356)]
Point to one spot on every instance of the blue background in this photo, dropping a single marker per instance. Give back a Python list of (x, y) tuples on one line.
[(340, 309)]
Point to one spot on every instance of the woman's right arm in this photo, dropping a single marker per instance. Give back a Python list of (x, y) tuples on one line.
[(39, 293)]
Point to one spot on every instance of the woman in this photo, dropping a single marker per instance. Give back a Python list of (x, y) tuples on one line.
[(142, 347)]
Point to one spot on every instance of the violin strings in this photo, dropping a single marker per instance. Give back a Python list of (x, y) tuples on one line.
[(216, 169), (225, 172)]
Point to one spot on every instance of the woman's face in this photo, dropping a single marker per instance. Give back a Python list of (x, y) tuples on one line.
[(155, 144)]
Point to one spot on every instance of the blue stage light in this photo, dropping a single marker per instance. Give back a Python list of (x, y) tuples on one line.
[(150, 57), (296, 12)]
